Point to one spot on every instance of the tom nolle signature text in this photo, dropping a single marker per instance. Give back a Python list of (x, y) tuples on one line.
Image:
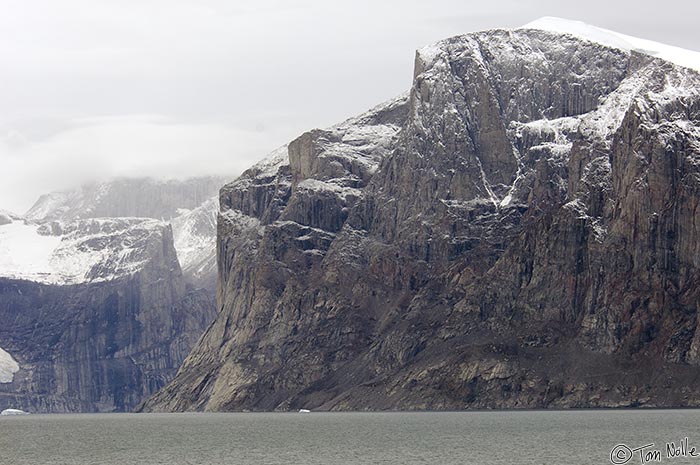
[(622, 453)]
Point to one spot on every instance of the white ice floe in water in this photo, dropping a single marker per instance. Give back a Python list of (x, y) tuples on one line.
[(677, 55), (8, 367), (13, 411)]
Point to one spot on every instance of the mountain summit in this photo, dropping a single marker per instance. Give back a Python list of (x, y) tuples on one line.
[(679, 56), (521, 230)]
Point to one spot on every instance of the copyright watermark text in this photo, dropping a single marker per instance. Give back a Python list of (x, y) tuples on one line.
[(622, 453)]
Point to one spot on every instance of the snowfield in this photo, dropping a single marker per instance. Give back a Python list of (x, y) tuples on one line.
[(8, 367), (24, 253), (83, 251)]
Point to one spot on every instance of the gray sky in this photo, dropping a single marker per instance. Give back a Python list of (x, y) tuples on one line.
[(93, 89)]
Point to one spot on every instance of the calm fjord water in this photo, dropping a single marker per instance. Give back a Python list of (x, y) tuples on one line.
[(485, 438)]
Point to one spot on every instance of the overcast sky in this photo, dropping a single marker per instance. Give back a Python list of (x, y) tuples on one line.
[(94, 89)]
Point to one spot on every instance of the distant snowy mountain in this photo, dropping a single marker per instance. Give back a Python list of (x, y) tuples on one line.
[(7, 217), (82, 251), (54, 243), (96, 311), (126, 197)]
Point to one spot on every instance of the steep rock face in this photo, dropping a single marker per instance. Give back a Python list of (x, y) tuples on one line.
[(521, 231), (105, 343), (98, 313)]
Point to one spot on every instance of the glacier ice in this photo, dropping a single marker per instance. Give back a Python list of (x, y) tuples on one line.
[(8, 367)]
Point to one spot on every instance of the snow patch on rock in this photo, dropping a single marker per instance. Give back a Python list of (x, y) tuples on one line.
[(8, 367), (194, 234), (94, 250)]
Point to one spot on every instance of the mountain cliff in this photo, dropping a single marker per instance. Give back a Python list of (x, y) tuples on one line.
[(520, 230), (99, 312)]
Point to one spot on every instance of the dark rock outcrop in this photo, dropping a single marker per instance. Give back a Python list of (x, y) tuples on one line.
[(522, 230)]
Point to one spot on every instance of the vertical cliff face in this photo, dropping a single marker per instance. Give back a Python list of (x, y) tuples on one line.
[(106, 342), (521, 230), (98, 313)]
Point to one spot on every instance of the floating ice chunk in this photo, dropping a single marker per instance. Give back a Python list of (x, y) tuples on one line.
[(13, 411)]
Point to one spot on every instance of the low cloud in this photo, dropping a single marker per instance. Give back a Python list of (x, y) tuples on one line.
[(103, 148), (194, 87)]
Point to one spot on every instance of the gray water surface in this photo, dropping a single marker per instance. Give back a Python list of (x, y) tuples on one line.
[(486, 438)]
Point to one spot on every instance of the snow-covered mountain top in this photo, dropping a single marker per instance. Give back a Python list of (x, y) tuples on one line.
[(268, 166), (102, 231), (83, 251), (677, 55)]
